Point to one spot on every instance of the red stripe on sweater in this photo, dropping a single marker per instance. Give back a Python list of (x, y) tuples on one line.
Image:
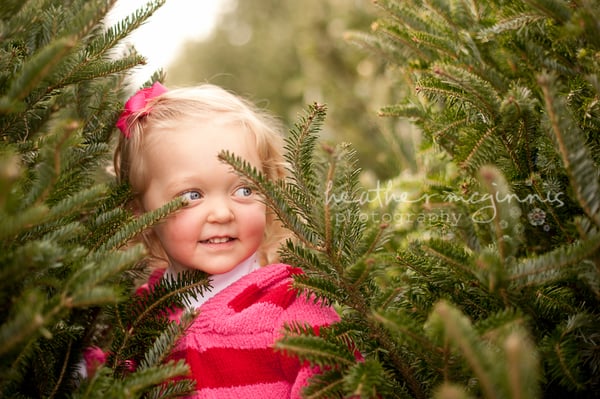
[(282, 296), (230, 367)]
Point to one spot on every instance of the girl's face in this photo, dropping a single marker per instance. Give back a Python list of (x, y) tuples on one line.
[(224, 221)]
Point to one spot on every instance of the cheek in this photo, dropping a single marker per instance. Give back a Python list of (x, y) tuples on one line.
[(175, 230), (255, 221)]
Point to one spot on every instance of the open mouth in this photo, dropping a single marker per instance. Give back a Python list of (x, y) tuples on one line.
[(217, 240)]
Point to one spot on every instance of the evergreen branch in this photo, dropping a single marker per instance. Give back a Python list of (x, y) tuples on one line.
[(100, 44), (342, 230), (172, 389), (316, 350), (108, 218), (514, 23), (36, 312), (461, 265), (50, 165), (458, 329), (405, 326), (347, 238), (397, 35), (83, 17), (580, 166), (545, 268), (94, 296), (567, 371), (368, 379), (65, 234), (371, 44), (303, 257), (505, 214), (21, 12), (164, 344), (17, 223), (400, 364), (92, 62), (142, 380), (324, 385), (562, 349), (403, 14), (478, 153), (130, 230), (154, 305), (553, 300), (63, 370), (454, 268), (302, 341), (82, 198), (448, 13), (409, 111), (320, 287), (445, 133), (472, 88), (98, 268), (439, 91), (34, 71), (93, 69), (125, 27), (357, 302), (361, 271), (25, 323), (521, 366), (183, 287), (299, 146), (442, 45), (519, 106)]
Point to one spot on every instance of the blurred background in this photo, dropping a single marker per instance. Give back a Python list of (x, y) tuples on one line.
[(283, 55)]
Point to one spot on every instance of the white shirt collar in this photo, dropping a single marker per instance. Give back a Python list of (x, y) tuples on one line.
[(221, 281)]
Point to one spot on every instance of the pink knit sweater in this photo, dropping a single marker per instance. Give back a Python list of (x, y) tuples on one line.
[(229, 346)]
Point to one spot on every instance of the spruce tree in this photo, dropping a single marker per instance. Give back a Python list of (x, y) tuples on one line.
[(67, 273), (483, 280)]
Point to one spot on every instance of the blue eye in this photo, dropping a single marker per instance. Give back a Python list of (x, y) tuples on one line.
[(243, 192), (191, 195)]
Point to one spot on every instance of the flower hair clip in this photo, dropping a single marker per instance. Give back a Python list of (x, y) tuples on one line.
[(138, 104)]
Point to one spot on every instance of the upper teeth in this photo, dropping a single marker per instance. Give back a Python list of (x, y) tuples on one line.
[(218, 240)]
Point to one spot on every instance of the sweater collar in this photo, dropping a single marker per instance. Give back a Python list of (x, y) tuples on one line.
[(219, 282)]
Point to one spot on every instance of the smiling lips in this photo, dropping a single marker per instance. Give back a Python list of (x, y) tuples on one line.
[(217, 240)]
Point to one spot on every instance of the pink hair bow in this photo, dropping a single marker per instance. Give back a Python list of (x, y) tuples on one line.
[(137, 103)]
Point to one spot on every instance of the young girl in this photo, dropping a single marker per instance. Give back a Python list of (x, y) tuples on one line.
[(169, 148)]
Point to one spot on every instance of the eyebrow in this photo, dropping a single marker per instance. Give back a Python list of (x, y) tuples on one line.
[(181, 184)]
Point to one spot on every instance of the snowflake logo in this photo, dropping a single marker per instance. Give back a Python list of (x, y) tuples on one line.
[(536, 217)]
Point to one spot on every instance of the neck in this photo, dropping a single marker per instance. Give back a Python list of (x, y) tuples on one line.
[(219, 282)]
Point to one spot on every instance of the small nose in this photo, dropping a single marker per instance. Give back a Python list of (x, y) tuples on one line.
[(219, 211)]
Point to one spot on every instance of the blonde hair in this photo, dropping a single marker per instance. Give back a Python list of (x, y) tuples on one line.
[(197, 103)]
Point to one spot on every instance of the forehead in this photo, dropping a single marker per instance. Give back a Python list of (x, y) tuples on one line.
[(207, 130), (201, 139)]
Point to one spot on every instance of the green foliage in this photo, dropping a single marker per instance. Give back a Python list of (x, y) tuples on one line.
[(67, 273), (485, 281)]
